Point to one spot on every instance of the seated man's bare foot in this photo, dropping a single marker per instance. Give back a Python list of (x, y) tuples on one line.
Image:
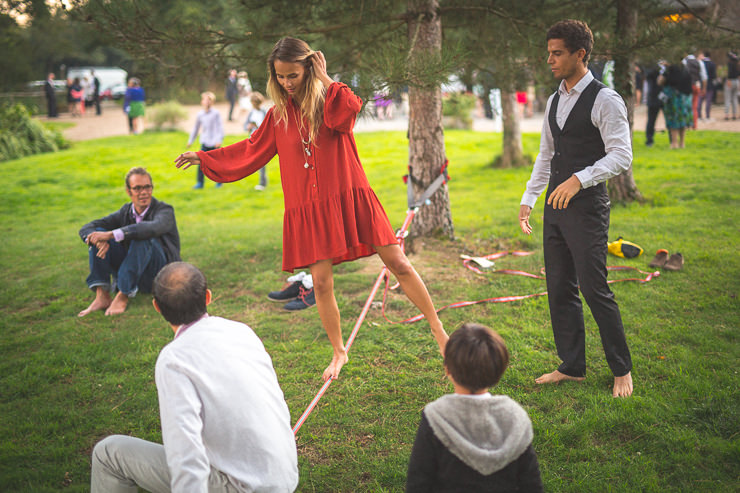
[(337, 362), (557, 377), (101, 302), (622, 386), (118, 305)]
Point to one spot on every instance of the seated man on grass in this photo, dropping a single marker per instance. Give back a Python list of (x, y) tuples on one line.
[(225, 423), (131, 245)]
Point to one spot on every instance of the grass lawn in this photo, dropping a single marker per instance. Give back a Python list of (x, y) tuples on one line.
[(65, 382)]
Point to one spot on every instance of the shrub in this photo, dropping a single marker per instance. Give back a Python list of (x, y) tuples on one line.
[(457, 109), (169, 114), (21, 135)]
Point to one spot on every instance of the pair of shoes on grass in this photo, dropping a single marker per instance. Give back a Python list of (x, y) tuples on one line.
[(662, 260), (298, 295)]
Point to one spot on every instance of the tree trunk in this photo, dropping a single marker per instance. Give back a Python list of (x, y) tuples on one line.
[(426, 137), (512, 135), (623, 188)]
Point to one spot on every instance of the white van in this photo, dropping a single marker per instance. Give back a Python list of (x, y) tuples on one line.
[(108, 77)]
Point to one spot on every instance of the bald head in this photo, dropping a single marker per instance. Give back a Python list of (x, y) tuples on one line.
[(180, 292)]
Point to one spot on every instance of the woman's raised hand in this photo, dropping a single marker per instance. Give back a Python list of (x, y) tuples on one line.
[(319, 67), (187, 159)]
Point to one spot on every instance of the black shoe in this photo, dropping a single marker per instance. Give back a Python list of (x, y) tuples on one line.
[(287, 294), (305, 299)]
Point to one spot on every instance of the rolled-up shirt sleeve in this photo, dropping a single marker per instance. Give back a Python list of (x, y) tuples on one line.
[(609, 115)]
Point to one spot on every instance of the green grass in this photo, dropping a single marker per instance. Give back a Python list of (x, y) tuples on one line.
[(66, 382)]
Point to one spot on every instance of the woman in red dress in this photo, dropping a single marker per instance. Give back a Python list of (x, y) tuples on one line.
[(331, 213)]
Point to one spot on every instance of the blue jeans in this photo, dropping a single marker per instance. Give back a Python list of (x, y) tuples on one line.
[(200, 178), (133, 268)]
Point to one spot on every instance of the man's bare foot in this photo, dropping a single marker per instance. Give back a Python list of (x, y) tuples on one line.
[(557, 377), (101, 302), (118, 305), (337, 362), (622, 386)]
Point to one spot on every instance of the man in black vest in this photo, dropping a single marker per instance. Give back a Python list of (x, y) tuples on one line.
[(131, 245), (585, 141)]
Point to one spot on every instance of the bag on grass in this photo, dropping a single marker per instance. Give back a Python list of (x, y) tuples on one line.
[(625, 249)]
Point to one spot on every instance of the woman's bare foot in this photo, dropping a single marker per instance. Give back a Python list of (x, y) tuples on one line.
[(337, 362), (440, 335), (101, 302), (622, 386), (557, 377), (119, 304)]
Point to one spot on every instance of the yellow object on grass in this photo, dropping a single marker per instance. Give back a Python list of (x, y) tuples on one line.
[(625, 249)]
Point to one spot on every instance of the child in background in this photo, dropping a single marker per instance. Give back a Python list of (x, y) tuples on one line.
[(471, 440), (254, 120), (213, 130)]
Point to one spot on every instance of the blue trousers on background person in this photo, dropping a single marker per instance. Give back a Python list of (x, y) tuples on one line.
[(201, 178), (132, 268)]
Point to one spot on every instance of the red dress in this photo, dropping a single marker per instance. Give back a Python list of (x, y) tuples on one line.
[(330, 210)]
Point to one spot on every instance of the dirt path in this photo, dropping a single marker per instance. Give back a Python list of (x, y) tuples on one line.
[(114, 122)]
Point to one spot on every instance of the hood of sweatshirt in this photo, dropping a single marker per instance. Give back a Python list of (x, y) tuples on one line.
[(486, 432)]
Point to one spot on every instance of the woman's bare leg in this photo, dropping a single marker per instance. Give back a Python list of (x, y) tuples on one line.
[(323, 286), (399, 265)]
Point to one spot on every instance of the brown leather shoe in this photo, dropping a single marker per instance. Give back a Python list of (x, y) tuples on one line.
[(674, 263), (661, 257)]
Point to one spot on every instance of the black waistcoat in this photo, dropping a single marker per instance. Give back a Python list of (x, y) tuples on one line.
[(578, 144)]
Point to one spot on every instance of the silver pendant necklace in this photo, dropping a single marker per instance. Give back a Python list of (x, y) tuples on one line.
[(306, 144)]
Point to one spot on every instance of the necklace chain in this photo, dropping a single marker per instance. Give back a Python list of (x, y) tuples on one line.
[(306, 150)]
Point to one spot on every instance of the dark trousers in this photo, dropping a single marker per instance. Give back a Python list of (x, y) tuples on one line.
[(96, 101), (575, 245), (51, 104), (133, 268), (652, 117)]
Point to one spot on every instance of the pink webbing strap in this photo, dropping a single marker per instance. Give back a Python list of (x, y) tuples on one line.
[(506, 299), (383, 274)]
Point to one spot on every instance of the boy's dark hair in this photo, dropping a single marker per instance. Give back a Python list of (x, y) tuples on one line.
[(476, 357), (180, 292), (575, 34)]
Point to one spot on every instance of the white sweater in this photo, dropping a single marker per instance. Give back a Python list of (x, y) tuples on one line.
[(221, 406)]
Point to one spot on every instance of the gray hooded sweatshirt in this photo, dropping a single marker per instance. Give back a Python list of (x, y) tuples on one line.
[(487, 432)]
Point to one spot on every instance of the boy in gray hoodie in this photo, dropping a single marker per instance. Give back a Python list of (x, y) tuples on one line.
[(471, 440)]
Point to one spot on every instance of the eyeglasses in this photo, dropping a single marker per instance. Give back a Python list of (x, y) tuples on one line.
[(142, 188)]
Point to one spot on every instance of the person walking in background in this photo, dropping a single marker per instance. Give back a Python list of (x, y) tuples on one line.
[(731, 85), (698, 84), (95, 92), (254, 120), (585, 141), (706, 99), (677, 104), (208, 123), (654, 101), (245, 91), (473, 441), (76, 94), (51, 97), (232, 92), (225, 422), (134, 106), (331, 213)]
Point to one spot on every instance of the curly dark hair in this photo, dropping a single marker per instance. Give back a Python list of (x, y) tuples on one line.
[(575, 34), (476, 357)]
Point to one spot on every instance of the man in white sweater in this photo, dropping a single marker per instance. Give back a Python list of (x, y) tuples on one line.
[(225, 423)]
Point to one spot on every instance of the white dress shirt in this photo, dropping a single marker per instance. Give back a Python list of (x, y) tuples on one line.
[(221, 406), (609, 115)]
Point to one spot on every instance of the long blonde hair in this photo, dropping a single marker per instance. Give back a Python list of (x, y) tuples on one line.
[(312, 92)]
